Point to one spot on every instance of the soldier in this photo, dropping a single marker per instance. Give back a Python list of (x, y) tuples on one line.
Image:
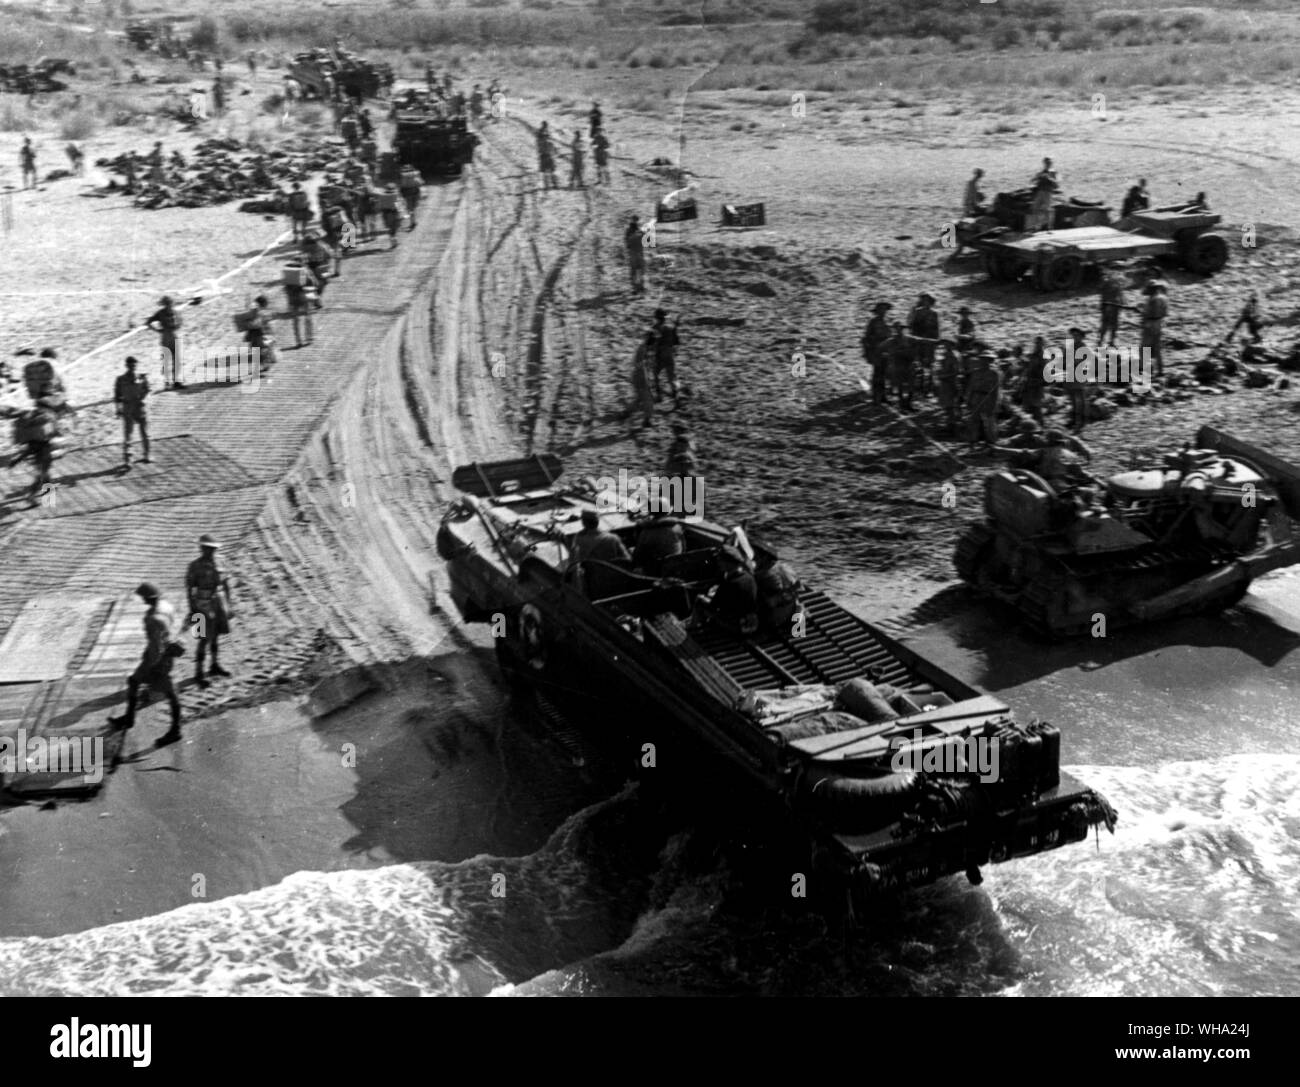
[(1040, 209), (642, 382), (1112, 302), (546, 157), (77, 158), (167, 322), (945, 386), (596, 118), (972, 201), (320, 257), (965, 331), (1078, 391), (154, 672), (430, 77), (389, 212), (476, 103), (252, 63), (27, 158), (600, 152), (336, 224), (681, 461), (660, 538), (1154, 312), (593, 546), (299, 211), (1137, 199), (1033, 386), (258, 333), (576, 180), (366, 125), (899, 356), (367, 206), (218, 93), (299, 308), (129, 393), (129, 167), (369, 156), (1250, 318), (1056, 457), (924, 327), (350, 130), (208, 591), (409, 185), (666, 343), (982, 395), (873, 340), (778, 592), (635, 243)]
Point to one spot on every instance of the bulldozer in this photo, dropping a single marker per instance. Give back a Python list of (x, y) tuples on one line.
[(1185, 536)]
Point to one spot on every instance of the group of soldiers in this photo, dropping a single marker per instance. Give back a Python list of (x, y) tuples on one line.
[(546, 153), (654, 366), (442, 98), (208, 596)]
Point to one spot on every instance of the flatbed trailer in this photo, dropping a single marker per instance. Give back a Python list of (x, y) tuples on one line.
[(1058, 258)]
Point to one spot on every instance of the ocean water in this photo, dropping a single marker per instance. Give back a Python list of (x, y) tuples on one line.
[(1192, 739)]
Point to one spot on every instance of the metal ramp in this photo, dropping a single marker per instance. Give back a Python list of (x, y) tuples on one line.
[(836, 645)]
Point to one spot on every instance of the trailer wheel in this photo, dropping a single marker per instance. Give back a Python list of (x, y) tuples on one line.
[(1205, 255), (1062, 274), (1002, 266)]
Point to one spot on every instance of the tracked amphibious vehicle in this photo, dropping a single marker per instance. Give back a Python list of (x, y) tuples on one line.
[(1185, 537), (869, 752)]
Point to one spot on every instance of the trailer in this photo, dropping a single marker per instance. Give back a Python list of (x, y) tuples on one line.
[(1057, 259)]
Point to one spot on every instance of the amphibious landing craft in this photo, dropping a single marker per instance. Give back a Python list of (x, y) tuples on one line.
[(873, 754)]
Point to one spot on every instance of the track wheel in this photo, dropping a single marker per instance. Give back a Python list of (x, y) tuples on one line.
[(972, 550)]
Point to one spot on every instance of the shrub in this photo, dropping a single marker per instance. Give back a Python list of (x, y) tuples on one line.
[(205, 35)]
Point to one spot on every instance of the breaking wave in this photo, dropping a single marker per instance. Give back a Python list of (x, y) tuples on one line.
[(1191, 896)]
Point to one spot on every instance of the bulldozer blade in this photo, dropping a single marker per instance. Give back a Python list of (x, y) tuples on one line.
[(1285, 477)]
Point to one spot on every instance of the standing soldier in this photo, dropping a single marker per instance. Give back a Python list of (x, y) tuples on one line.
[(27, 157), (681, 462), (1112, 302), (576, 180), (1034, 386), (965, 331), (258, 333), (666, 344), (596, 119), (408, 184), (430, 77), (218, 94), (924, 327), (1077, 390), (476, 103), (320, 258), (367, 206), (642, 382), (1154, 312), (129, 167), (351, 130), (945, 386), (299, 211), (252, 63), (167, 322), (600, 152), (1250, 318), (873, 340), (155, 668), (899, 355), (77, 158), (388, 212), (366, 125), (129, 393), (297, 278), (982, 394), (546, 157), (369, 155), (972, 201), (635, 243), (208, 591)]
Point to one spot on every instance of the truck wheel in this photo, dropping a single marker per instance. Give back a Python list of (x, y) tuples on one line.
[(1062, 274), (1002, 267), (1205, 255)]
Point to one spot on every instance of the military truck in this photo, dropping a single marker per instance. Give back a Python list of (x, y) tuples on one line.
[(437, 146), (351, 75)]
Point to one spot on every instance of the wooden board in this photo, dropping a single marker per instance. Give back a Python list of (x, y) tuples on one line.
[(44, 638), (487, 480)]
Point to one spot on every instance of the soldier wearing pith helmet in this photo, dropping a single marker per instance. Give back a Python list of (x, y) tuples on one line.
[(208, 591)]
